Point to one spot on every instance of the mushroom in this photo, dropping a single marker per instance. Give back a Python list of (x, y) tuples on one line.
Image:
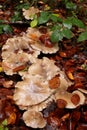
[(17, 53), (31, 92), (34, 34), (37, 90), (17, 44), (30, 13), (72, 99), (43, 68), (34, 119), (15, 61)]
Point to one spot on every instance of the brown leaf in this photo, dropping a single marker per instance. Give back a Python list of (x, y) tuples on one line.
[(61, 103), (75, 99), (54, 82)]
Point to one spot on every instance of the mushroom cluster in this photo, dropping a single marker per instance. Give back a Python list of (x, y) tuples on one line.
[(42, 81), (22, 50)]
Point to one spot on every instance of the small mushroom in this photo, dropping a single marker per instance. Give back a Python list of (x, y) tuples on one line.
[(72, 99), (30, 13), (14, 61), (34, 119)]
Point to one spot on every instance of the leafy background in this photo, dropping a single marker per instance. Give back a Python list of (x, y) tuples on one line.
[(61, 16)]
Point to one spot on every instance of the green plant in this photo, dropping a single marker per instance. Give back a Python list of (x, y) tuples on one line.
[(5, 28), (60, 27), (3, 125)]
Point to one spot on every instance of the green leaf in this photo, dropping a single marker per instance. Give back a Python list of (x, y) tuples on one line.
[(54, 17), (16, 16), (71, 6), (60, 20), (7, 29), (5, 128), (82, 37), (44, 17), (33, 23), (67, 33), (56, 27), (1, 30), (4, 123), (67, 24), (1, 21), (56, 36), (1, 127), (23, 5), (77, 22)]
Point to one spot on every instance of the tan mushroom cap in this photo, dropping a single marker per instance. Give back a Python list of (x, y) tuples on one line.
[(29, 13), (46, 50), (44, 69), (64, 81), (34, 119), (42, 105), (33, 34), (16, 52), (61, 94), (31, 92), (17, 44), (15, 60), (82, 90)]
